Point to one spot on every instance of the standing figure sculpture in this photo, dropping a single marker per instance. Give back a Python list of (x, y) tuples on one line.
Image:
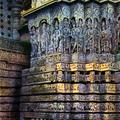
[(66, 35), (118, 32), (74, 35), (89, 36), (44, 36), (56, 35), (105, 43), (34, 41), (96, 36), (80, 35), (111, 33)]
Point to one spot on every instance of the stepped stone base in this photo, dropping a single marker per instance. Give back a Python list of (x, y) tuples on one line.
[(69, 89)]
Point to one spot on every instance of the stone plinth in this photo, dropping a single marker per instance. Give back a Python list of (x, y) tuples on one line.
[(63, 90)]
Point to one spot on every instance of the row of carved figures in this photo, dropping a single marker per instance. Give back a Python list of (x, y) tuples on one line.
[(71, 35)]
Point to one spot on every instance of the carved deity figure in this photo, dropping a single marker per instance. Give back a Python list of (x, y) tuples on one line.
[(89, 36), (56, 35), (118, 32), (44, 36), (51, 46), (48, 40), (34, 41), (66, 35), (96, 36), (111, 33), (105, 41), (77, 35), (80, 35), (74, 35)]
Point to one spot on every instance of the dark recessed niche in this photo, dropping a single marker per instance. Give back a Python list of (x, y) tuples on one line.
[(9, 0), (9, 35), (1, 3), (2, 26), (1, 7), (2, 33), (103, 73), (9, 28), (88, 73), (96, 72), (9, 22), (1, 15), (112, 72), (9, 8), (1, 20), (82, 73), (8, 16)]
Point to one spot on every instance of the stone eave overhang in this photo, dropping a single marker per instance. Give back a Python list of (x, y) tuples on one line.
[(33, 10)]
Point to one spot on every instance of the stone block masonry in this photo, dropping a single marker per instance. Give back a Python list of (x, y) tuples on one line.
[(13, 58)]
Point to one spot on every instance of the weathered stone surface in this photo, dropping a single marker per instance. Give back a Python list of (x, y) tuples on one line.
[(13, 67), (95, 107), (12, 60), (10, 100), (9, 115), (12, 57), (70, 88), (34, 79), (75, 97), (10, 74), (9, 107), (10, 82), (9, 92), (76, 116)]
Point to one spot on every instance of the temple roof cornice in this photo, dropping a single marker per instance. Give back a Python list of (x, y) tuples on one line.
[(50, 2)]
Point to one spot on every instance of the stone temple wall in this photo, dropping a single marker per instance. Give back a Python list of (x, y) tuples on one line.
[(13, 58), (75, 62)]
